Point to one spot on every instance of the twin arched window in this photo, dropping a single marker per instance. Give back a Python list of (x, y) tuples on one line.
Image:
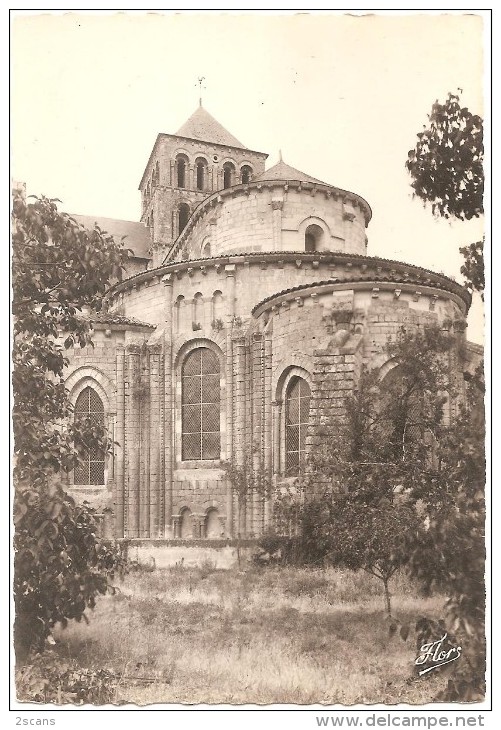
[(297, 410), (200, 406), (89, 407)]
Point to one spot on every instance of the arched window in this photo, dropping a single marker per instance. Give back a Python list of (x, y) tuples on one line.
[(246, 173), (183, 217), (212, 524), (180, 312), (297, 409), (198, 310), (217, 306), (312, 238), (228, 174), (186, 524), (181, 165), (200, 405), (201, 173), (89, 408), (156, 174), (206, 250)]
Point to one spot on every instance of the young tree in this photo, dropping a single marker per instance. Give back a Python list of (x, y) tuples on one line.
[(246, 481), (58, 269), (362, 528)]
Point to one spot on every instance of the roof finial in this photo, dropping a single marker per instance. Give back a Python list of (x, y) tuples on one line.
[(280, 155), (199, 83)]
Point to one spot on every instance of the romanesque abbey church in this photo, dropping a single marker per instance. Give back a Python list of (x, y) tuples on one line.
[(245, 316)]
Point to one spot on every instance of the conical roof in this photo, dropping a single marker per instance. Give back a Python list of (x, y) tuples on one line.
[(202, 125), (282, 171)]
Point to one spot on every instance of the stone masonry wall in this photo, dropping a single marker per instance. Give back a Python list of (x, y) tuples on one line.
[(264, 217)]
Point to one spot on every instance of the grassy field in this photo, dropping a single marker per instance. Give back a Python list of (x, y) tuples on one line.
[(266, 635)]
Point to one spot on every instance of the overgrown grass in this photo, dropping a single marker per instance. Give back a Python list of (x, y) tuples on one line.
[(274, 635)]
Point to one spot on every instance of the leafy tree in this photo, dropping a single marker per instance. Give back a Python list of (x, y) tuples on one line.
[(448, 555), (473, 267), (446, 168), (58, 269), (446, 165)]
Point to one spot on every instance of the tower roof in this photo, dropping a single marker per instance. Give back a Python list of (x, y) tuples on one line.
[(202, 125), (282, 171)]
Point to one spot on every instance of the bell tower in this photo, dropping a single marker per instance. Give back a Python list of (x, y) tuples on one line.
[(184, 168)]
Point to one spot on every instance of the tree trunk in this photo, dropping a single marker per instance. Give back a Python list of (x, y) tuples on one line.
[(238, 551), (387, 596)]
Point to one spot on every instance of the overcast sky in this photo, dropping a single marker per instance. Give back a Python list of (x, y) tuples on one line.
[(343, 97)]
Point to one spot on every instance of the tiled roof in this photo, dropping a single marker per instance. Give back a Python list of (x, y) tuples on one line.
[(113, 318), (202, 125), (137, 234), (282, 171)]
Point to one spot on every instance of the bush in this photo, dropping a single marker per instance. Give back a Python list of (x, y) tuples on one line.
[(274, 549), (47, 680), (60, 564)]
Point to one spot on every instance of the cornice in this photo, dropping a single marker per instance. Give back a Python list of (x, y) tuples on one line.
[(376, 285), (372, 269)]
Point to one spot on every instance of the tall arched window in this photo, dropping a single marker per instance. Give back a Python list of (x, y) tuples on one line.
[(183, 216), (297, 409), (246, 173), (201, 173), (228, 174), (89, 408), (401, 422), (201, 405)]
